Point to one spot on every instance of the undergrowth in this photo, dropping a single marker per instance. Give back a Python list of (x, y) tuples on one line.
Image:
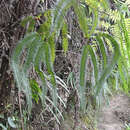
[(109, 53)]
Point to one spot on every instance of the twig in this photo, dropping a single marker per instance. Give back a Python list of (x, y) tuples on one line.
[(7, 9), (20, 108)]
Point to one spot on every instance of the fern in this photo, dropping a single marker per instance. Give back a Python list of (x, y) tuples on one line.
[(40, 49), (38, 52), (103, 51), (99, 81), (80, 12), (58, 14), (106, 72), (121, 33), (20, 74)]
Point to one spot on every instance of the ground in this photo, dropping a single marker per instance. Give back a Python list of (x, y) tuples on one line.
[(114, 116)]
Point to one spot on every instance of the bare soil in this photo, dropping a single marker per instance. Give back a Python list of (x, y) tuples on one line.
[(116, 114)]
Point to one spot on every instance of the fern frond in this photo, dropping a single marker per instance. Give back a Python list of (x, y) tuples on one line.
[(82, 77), (103, 51), (31, 54), (114, 15), (94, 62), (80, 12), (126, 37), (107, 67), (40, 56), (37, 52), (121, 33), (58, 14), (19, 74), (106, 72), (43, 86), (95, 22), (21, 45), (51, 72), (22, 84)]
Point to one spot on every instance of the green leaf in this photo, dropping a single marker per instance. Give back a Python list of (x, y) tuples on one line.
[(58, 14), (36, 91), (95, 22), (65, 39), (86, 50), (50, 71), (126, 37), (106, 72), (83, 65), (40, 56), (94, 61), (22, 84), (32, 50), (21, 45), (80, 12), (19, 74), (82, 77), (27, 90), (122, 76), (102, 50), (104, 4), (52, 47), (44, 86)]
